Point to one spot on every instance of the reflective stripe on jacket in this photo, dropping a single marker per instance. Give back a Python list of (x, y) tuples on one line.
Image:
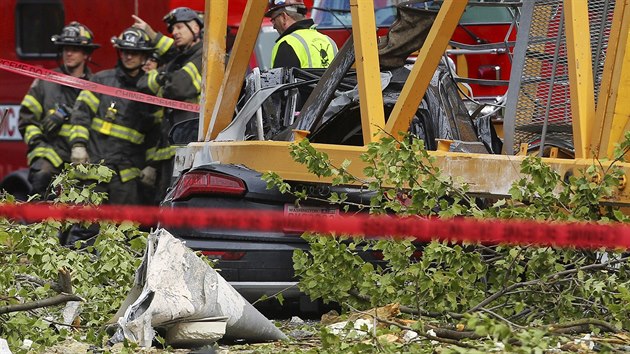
[(116, 131), (313, 49), (42, 99)]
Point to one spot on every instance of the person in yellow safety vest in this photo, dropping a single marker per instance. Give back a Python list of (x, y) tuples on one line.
[(178, 79), (44, 112), (300, 44), (116, 132)]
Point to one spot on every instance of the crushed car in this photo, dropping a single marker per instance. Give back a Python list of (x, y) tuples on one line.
[(275, 103)]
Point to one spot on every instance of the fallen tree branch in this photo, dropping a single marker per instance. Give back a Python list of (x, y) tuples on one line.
[(437, 330), (63, 287), (581, 326), (554, 276), (51, 301), (509, 323), (38, 281), (409, 310)]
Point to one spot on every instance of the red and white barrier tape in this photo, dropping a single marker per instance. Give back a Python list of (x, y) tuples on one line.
[(67, 80), (578, 235)]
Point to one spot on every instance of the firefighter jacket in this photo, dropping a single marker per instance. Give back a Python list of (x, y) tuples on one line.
[(179, 79), (302, 46), (37, 107), (116, 131)]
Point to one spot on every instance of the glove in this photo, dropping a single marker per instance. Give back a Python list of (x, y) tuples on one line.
[(148, 176), (79, 154), (161, 78), (53, 121)]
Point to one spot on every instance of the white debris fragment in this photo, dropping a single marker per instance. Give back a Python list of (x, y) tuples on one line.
[(356, 331), (408, 336), (26, 344), (4, 347)]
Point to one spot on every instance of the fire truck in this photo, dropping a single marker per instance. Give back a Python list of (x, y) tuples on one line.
[(27, 29), (27, 39)]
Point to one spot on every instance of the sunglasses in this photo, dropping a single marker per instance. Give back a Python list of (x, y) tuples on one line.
[(273, 18)]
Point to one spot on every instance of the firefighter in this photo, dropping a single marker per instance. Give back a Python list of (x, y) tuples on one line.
[(178, 79), (115, 131), (300, 44), (152, 63), (44, 114)]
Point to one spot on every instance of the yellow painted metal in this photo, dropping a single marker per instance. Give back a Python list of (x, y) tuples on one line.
[(487, 175), (580, 75), (215, 18), (621, 115), (237, 67), (611, 78), (621, 109), (428, 59), (607, 92), (368, 71), (462, 71)]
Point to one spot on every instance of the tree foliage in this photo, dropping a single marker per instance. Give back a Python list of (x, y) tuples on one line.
[(517, 298), (33, 266)]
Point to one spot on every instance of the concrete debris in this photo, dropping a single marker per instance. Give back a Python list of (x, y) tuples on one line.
[(71, 312), (197, 333), (296, 321), (174, 285), (26, 344), (408, 336), (352, 330), (4, 347)]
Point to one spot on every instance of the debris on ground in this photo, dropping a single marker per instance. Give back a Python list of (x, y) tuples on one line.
[(172, 286)]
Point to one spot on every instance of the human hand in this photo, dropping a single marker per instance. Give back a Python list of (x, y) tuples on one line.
[(79, 154), (141, 24), (148, 176)]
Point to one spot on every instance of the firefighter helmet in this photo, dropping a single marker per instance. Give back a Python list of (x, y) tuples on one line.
[(181, 14), (75, 34), (133, 39), (295, 5)]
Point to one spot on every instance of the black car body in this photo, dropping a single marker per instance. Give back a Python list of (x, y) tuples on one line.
[(272, 106), (260, 263), (255, 263)]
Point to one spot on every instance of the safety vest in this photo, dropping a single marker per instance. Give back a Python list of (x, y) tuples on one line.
[(315, 50)]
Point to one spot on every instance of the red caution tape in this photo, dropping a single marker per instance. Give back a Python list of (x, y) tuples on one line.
[(67, 80), (578, 235)]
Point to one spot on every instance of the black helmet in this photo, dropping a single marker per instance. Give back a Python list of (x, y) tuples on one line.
[(288, 5), (75, 34), (181, 14), (133, 39)]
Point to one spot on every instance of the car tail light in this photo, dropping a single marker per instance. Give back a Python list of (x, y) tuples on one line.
[(204, 182), (223, 255)]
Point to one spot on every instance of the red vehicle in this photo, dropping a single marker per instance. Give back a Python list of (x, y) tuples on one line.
[(27, 29), (28, 32), (26, 39)]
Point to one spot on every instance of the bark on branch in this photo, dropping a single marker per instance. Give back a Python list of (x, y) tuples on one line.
[(581, 326), (63, 287), (554, 277)]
